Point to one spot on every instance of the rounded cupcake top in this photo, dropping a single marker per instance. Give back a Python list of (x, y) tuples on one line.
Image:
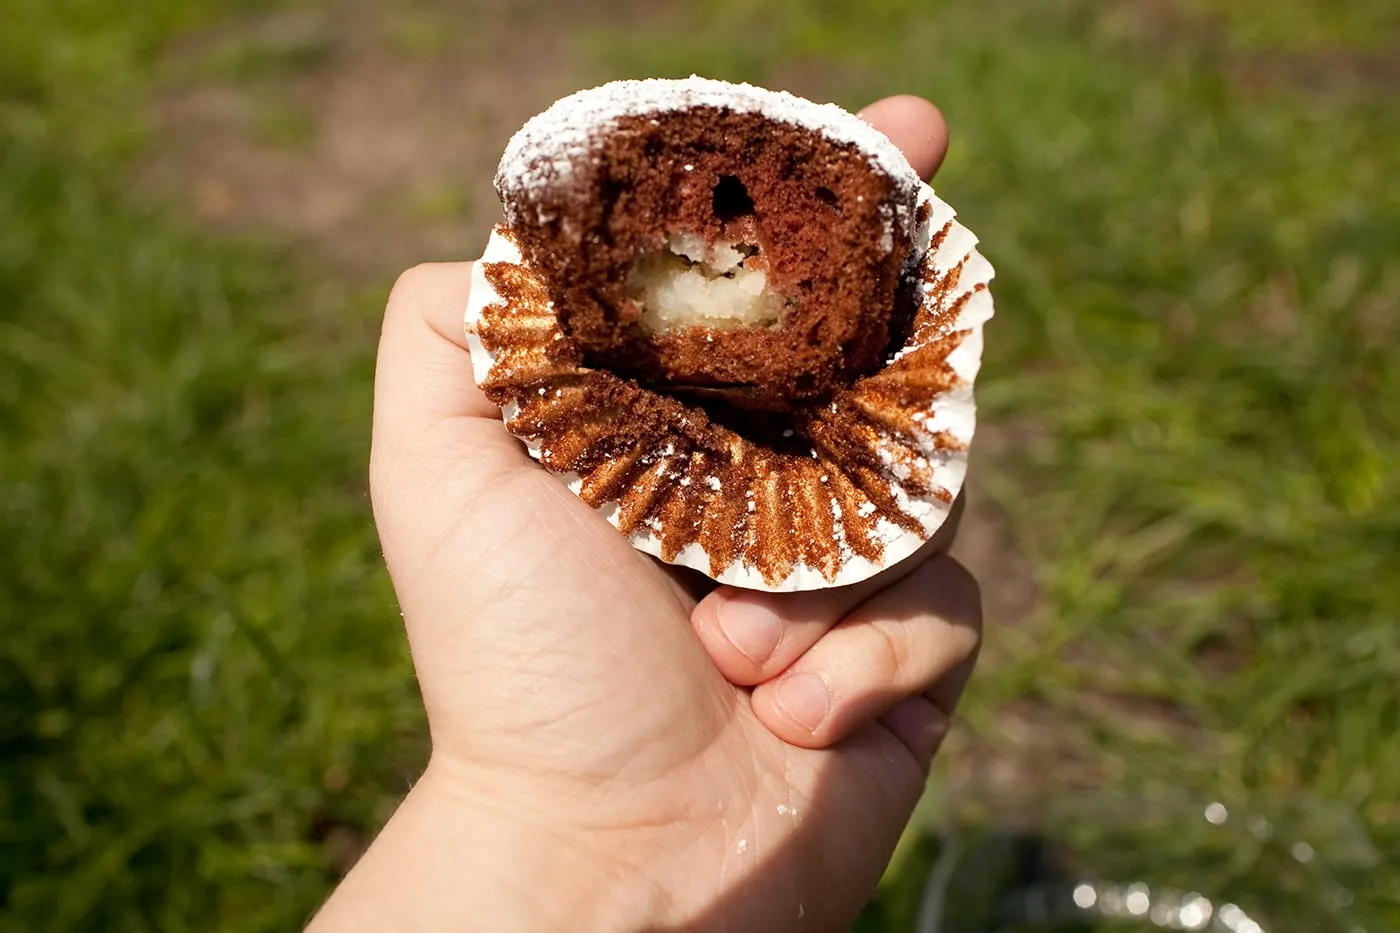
[(715, 238), (546, 151)]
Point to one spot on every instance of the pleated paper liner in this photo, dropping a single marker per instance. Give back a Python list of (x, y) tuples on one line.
[(860, 483)]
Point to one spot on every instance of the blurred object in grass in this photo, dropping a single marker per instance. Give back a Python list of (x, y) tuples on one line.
[(1109, 862), (191, 567)]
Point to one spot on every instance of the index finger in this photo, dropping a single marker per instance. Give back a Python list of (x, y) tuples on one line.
[(914, 125)]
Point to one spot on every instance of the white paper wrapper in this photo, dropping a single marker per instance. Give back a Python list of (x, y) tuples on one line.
[(921, 445)]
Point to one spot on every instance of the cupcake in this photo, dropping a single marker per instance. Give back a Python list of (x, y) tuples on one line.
[(737, 324)]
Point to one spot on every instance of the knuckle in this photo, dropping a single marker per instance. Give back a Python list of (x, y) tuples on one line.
[(408, 284), (967, 593), (892, 653), (953, 593)]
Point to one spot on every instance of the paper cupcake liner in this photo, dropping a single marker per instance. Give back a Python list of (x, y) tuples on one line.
[(886, 457)]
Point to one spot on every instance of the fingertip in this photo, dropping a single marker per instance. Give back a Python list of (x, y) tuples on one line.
[(738, 636), (797, 709), (916, 126), (918, 636), (754, 636)]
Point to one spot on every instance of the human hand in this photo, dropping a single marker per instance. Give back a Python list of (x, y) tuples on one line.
[(607, 751)]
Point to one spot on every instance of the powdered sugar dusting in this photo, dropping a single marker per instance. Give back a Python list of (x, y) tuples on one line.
[(547, 150)]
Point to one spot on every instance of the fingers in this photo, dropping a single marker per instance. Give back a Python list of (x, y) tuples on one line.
[(753, 636), (914, 125), (918, 637)]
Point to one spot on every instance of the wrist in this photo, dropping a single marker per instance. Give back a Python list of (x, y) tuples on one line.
[(458, 856)]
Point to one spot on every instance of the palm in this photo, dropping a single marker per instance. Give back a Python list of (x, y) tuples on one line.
[(546, 594)]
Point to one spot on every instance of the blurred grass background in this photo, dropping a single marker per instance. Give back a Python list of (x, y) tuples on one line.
[(1191, 446)]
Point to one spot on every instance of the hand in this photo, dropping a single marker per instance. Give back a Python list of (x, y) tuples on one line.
[(609, 752)]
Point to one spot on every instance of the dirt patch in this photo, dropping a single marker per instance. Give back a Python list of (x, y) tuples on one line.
[(986, 543), (1329, 69), (369, 132)]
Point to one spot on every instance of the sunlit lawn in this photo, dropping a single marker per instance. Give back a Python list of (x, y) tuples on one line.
[(204, 698)]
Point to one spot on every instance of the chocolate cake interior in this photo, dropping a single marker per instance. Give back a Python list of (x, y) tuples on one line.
[(723, 257)]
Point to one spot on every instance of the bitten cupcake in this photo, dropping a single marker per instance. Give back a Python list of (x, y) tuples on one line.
[(737, 324)]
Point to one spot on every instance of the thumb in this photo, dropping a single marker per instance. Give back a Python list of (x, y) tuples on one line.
[(456, 497), (436, 438)]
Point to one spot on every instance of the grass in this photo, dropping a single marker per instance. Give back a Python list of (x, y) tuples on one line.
[(192, 568), (1190, 369)]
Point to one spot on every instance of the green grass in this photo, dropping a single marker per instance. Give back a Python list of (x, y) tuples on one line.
[(1303, 25), (191, 570), (204, 694), (1197, 304)]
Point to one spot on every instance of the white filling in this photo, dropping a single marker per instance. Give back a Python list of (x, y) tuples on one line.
[(692, 284)]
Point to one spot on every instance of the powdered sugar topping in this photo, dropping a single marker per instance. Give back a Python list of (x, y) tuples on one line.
[(548, 148)]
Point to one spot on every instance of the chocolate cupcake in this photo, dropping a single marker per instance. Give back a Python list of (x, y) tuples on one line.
[(735, 322)]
